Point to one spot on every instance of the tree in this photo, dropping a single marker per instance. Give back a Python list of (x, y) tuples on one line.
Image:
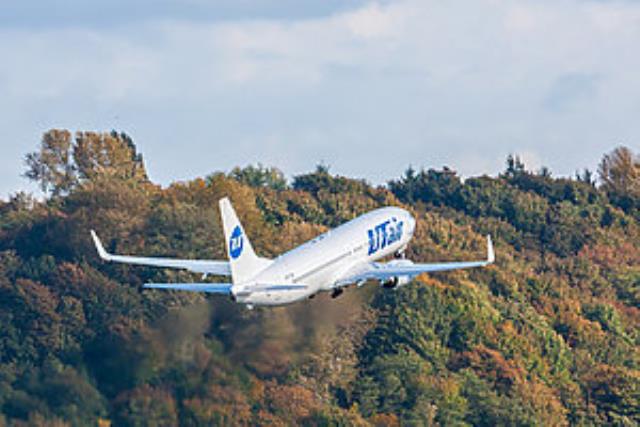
[(61, 165), (146, 406), (511, 344), (52, 166), (260, 176), (586, 176), (619, 173), (515, 166), (436, 187), (545, 172), (112, 154)]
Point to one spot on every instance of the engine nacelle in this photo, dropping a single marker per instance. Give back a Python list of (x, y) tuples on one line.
[(396, 282)]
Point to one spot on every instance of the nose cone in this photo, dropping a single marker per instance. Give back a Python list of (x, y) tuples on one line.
[(411, 225)]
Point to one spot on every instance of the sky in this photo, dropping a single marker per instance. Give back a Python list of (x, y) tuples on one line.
[(366, 87)]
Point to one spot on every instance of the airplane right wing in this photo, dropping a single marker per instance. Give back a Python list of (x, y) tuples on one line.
[(406, 268), (219, 268)]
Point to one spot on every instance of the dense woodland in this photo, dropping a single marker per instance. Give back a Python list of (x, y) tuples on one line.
[(549, 335)]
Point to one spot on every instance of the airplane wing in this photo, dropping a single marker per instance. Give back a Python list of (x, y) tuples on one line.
[(214, 288), (220, 268), (406, 268)]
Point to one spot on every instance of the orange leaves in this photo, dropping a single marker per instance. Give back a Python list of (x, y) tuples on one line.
[(615, 389), (543, 401), (475, 347), (622, 254), (492, 366), (385, 420), (36, 296), (429, 280), (291, 402), (108, 154), (34, 308), (146, 405)]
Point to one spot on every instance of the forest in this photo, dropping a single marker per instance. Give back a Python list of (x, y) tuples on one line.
[(548, 335)]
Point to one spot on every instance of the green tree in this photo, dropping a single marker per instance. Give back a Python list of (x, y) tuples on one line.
[(52, 165), (112, 154), (260, 176), (619, 173)]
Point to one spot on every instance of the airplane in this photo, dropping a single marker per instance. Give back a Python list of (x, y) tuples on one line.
[(333, 260)]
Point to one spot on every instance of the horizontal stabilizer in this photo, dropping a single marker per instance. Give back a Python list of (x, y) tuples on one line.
[(244, 291), (275, 288), (214, 288)]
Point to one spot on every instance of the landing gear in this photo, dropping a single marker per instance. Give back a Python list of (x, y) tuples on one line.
[(390, 284), (312, 296), (400, 254), (336, 292)]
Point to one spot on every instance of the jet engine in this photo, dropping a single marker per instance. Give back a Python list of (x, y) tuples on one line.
[(396, 282)]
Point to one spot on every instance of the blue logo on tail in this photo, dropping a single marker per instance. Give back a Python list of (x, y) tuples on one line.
[(236, 242)]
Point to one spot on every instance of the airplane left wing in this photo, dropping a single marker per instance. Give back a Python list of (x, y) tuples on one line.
[(214, 288), (220, 268), (405, 268)]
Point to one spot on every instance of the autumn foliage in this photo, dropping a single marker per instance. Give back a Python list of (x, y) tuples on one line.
[(549, 335)]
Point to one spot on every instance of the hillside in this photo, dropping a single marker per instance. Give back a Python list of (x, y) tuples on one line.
[(549, 335)]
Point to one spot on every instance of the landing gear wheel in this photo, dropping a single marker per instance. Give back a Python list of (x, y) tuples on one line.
[(390, 284), (399, 254)]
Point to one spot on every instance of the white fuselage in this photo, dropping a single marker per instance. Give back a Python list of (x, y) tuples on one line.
[(321, 263)]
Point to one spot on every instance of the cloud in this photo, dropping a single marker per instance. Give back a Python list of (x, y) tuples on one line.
[(370, 88), (571, 89), (111, 14), (374, 21)]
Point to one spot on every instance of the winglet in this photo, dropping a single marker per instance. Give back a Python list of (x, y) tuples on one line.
[(103, 254), (491, 255)]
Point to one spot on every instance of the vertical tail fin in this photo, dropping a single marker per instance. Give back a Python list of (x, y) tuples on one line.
[(244, 262)]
